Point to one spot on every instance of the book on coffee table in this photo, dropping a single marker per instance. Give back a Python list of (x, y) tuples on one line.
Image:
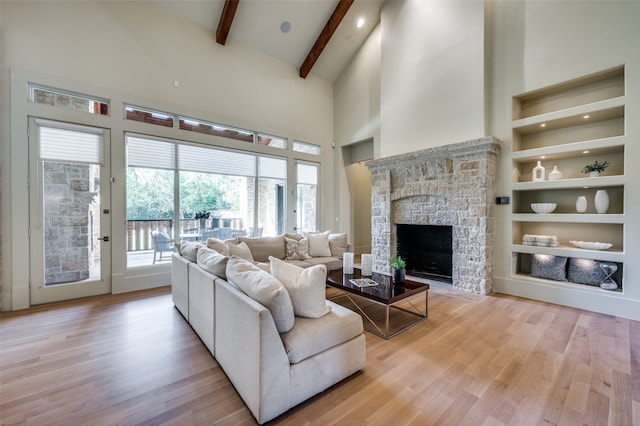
[(363, 282)]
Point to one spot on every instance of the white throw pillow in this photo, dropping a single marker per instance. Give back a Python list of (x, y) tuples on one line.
[(241, 250), (217, 245), (306, 287), (319, 244), (212, 261), (297, 249), (189, 250), (338, 244), (265, 289)]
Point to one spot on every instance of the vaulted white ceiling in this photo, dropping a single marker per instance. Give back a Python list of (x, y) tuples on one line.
[(257, 23)]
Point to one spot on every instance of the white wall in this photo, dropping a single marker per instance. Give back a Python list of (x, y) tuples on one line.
[(132, 52), (432, 74), (356, 118), (538, 44), (435, 91)]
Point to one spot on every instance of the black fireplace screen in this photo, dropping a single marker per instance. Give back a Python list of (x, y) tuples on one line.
[(428, 250)]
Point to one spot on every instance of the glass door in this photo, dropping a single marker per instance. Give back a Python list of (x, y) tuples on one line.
[(69, 211), (307, 197)]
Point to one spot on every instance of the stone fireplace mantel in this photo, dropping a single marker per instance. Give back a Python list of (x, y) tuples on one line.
[(448, 185)]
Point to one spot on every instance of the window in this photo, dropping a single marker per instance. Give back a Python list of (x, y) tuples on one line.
[(307, 196), (221, 194), (307, 148), (69, 100), (273, 141), (215, 129), (148, 116), (150, 199)]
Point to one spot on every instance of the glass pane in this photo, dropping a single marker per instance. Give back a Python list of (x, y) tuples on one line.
[(68, 100), (273, 141), (71, 222), (149, 216), (214, 206), (215, 129), (148, 116), (307, 197), (307, 148), (271, 207)]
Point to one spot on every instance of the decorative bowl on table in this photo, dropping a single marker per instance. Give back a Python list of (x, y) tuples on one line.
[(543, 207), (591, 245)]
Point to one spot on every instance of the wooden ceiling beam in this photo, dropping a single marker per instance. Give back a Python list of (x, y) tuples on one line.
[(226, 19), (324, 37)]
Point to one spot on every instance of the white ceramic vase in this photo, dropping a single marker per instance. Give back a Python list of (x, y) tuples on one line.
[(602, 201), (347, 263), (555, 174), (581, 204), (537, 174)]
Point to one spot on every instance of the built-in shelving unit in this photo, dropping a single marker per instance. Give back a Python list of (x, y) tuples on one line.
[(567, 126)]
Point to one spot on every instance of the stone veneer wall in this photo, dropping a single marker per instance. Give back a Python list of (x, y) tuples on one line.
[(70, 206), (449, 185)]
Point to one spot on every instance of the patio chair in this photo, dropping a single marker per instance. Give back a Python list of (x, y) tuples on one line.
[(255, 232), (161, 243), (238, 233)]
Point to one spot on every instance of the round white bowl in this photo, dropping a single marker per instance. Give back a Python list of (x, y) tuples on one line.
[(543, 207)]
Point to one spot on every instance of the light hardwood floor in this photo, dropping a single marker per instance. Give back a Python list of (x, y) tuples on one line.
[(478, 360)]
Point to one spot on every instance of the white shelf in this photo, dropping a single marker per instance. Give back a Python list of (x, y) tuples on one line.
[(594, 288), (558, 152), (569, 218), (610, 255), (588, 182), (602, 110)]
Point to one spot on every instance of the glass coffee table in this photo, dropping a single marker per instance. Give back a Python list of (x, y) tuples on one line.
[(384, 293)]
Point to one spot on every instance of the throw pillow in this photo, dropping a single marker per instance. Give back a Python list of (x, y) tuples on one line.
[(241, 250), (189, 250), (265, 289), (338, 244), (217, 245), (585, 271), (319, 244), (212, 261), (297, 249), (306, 287), (263, 247), (549, 267)]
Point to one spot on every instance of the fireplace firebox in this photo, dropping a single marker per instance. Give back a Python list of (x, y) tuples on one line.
[(427, 249)]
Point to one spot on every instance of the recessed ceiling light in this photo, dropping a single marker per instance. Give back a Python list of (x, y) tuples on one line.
[(543, 125), (585, 116), (542, 157), (585, 152), (285, 27), (360, 23)]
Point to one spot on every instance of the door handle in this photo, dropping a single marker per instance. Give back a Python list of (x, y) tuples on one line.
[(105, 239)]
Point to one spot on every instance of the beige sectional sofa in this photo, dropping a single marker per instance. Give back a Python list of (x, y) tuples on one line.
[(276, 337)]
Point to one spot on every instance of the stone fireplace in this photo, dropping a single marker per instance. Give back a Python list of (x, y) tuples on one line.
[(451, 185)]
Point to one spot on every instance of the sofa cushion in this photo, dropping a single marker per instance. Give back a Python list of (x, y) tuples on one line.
[(332, 263), (311, 336), (217, 245), (296, 249), (338, 244), (263, 247), (264, 288), (319, 244), (240, 250), (189, 250), (212, 261), (306, 287)]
